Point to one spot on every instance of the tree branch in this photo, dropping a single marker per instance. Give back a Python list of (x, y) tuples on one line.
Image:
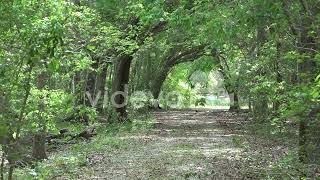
[(185, 56), (152, 31)]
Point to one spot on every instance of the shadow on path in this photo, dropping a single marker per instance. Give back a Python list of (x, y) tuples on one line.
[(183, 144)]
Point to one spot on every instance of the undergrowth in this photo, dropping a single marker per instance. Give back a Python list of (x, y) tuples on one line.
[(265, 137), (67, 159)]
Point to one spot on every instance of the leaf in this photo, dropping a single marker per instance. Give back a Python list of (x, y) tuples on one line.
[(315, 94), (3, 130), (91, 47), (317, 57), (54, 65), (318, 78)]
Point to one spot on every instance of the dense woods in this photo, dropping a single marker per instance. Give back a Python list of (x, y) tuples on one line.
[(107, 61)]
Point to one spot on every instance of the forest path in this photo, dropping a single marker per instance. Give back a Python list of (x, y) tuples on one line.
[(184, 144)]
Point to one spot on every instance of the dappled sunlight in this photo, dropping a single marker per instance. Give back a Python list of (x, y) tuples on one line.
[(208, 152), (180, 142), (159, 89)]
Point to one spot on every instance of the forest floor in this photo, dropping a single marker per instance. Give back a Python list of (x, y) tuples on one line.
[(176, 144), (185, 144)]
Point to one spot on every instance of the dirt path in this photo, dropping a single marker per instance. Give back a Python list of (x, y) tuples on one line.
[(183, 145)]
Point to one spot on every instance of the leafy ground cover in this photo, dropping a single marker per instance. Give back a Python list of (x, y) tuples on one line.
[(177, 144)]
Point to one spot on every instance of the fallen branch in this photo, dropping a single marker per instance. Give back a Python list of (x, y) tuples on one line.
[(64, 133)]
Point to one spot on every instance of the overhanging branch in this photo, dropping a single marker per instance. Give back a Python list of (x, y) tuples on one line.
[(187, 55)]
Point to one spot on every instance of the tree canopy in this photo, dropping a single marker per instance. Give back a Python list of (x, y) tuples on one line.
[(87, 60)]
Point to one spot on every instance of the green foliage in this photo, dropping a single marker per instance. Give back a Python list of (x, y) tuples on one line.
[(86, 114), (69, 161), (53, 52), (55, 105), (177, 82), (288, 167)]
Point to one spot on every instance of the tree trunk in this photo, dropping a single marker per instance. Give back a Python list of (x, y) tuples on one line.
[(302, 141), (101, 86), (277, 103), (306, 73), (234, 101), (39, 146), (157, 84), (77, 90), (10, 173), (233, 96), (39, 141), (120, 83), (109, 80), (91, 88), (261, 107)]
